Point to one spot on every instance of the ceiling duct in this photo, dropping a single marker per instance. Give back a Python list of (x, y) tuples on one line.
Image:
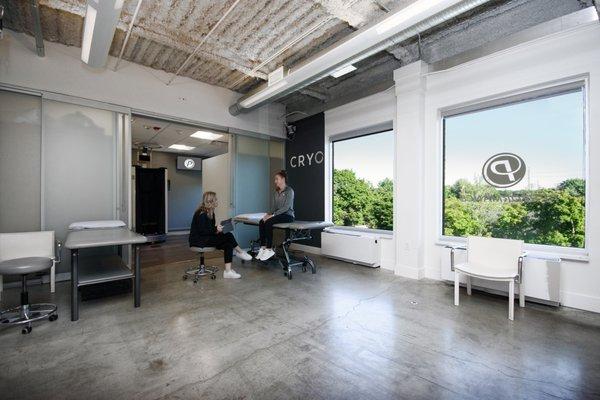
[(101, 18), (374, 38)]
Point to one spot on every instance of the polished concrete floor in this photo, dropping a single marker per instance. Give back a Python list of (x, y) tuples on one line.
[(347, 332)]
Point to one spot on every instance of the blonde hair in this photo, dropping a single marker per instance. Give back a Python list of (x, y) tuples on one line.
[(209, 200)]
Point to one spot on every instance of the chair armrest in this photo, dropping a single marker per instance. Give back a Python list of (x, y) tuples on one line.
[(58, 252), (452, 250), (520, 266)]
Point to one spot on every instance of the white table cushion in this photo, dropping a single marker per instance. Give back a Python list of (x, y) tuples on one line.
[(107, 224), (483, 272)]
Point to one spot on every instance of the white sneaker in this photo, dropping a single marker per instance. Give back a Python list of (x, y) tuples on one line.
[(268, 253), (260, 253), (231, 274), (243, 255)]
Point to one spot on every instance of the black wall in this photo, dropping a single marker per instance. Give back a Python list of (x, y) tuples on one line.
[(305, 166)]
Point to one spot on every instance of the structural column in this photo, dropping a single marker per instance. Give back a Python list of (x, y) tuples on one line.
[(409, 170)]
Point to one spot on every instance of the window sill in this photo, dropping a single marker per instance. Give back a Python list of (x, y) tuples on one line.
[(550, 253)]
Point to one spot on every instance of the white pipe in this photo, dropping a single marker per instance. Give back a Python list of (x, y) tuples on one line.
[(394, 28), (135, 13), (204, 39)]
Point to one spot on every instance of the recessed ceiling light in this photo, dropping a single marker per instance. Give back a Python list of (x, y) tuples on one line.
[(206, 135), (343, 71), (181, 147)]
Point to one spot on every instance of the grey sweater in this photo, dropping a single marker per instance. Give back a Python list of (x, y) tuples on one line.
[(283, 202)]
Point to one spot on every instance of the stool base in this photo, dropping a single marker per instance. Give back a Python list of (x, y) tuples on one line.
[(28, 313)]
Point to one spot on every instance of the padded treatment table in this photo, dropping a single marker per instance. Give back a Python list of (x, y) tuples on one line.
[(295, 231), (92, 270)]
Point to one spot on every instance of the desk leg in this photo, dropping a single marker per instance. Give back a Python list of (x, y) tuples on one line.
[(137, 278), (74, 285)]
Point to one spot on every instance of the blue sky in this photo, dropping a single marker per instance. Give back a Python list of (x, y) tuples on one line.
[(370, 157), (547, 133)]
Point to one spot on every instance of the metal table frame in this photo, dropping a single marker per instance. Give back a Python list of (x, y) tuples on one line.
[(77, 240)]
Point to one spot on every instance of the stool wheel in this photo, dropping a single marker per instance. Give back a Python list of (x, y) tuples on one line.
[(185, 277), (26, 330), (53, 317), (195, 280), (213, 277)]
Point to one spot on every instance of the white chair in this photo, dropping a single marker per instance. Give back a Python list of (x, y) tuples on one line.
[(30, 244), (491, 259)]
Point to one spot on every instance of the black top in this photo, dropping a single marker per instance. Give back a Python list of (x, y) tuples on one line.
[(202, 229)]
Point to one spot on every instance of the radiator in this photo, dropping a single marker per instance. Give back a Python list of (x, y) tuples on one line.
[(353, 247)]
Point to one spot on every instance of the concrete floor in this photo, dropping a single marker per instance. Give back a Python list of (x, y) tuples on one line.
[(347, 332)]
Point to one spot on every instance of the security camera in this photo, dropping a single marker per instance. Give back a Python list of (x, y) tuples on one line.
[(290, 131)]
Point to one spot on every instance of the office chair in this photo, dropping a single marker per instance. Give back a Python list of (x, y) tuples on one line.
[(23, 254), (201, 270)]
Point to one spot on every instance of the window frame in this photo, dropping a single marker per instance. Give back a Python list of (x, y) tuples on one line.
[(345, 137), (505, 99)]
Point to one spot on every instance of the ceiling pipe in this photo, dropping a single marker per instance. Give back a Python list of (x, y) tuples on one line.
[(374, 38), (133, 18), (37, 28), (204, 39)]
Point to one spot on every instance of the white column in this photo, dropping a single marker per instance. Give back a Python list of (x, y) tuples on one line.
[(409, 181)]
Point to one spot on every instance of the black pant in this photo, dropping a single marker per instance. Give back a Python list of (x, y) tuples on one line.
[(225, 242), (266, 228)]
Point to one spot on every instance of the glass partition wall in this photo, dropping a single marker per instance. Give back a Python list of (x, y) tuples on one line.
[(256, 161), (60, 162)]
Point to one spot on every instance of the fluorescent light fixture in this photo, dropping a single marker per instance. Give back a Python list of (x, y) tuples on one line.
[(256, 98), (206, 135), (407, 13), (181, 147), (343, 71), (88, 31)]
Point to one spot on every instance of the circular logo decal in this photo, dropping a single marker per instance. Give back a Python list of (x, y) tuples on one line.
[(189, 163), (504, 170)]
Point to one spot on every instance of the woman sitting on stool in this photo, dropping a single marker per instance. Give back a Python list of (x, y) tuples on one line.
[(283, 211), (205, 233)]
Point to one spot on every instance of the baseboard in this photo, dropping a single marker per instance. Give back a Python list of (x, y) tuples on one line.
[(306, 248), (410, 272), (580, 301), (433, 273)]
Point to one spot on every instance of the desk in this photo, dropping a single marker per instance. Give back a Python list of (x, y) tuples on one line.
[(92, 270)]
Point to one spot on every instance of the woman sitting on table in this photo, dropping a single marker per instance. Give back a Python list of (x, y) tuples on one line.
[(283, 211), (205, 233)]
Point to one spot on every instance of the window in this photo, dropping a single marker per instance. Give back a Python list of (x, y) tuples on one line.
[(363, 173), (517, 170)]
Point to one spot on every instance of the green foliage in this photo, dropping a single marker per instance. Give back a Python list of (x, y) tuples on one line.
[(542, 216), (357, 203)]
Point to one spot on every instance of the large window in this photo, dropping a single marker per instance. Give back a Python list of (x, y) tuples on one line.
[(363, 172), (517, 170)]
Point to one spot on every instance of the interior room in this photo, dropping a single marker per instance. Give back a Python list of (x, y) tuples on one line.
[(311, 199)]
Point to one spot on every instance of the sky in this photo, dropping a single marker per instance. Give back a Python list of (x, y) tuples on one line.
[(370, 157), (547, 134)]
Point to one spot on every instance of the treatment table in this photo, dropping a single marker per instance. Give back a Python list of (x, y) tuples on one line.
[(100, 269), (294, 232)]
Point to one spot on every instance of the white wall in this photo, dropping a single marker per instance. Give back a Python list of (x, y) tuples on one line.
[(360, 115), (571, 54), (134, 86), (216, 178)]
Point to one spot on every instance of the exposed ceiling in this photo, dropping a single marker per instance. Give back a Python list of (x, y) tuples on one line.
[(159, 135), (166, 32)]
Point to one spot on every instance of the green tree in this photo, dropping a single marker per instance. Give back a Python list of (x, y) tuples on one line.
[(558, 218), (460, 220), (467, 191), (383, 206), (352, 199), (575, 187), (512, 222)]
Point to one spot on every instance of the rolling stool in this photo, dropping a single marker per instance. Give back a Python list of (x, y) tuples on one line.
[(26, 313), (201, 270)]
